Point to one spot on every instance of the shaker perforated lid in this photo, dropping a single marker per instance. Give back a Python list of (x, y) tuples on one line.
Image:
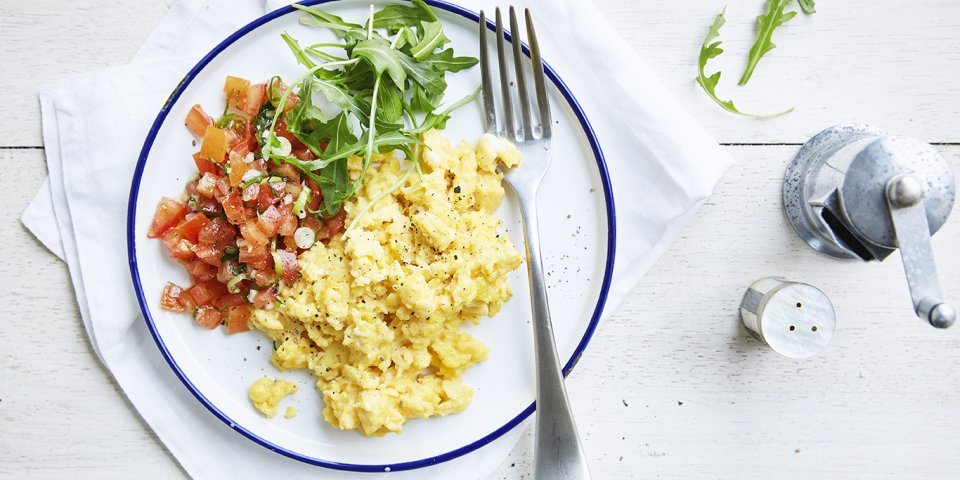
[(795, 319)]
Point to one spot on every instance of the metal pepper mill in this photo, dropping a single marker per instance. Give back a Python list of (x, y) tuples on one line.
[(855, 192)]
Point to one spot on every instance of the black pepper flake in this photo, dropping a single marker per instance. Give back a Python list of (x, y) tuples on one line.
[(456, 189)]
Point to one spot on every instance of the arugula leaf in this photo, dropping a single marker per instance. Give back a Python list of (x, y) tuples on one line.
[(316, 51), (445, 61), (711, 49), (406, 39), (808, 6), (429, 78), (421, 101), (320, 18), (383, 59), (339, 97), (394, 17), (391, 103), (298, 52), (439, 120), (433, 38), (767, 22)]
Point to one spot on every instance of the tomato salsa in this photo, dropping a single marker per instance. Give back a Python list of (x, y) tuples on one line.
[(241, 221)]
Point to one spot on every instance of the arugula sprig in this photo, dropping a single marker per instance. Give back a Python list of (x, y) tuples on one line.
[(711, 49), (767, 22), (773, 16), (387, 77)]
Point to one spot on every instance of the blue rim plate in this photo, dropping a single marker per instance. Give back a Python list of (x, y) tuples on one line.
[(143, 302)]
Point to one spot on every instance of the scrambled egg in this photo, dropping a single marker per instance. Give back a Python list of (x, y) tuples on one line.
[(266, 394), (377, 316)]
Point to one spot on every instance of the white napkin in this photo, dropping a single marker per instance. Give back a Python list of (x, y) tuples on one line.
[(663, 166)]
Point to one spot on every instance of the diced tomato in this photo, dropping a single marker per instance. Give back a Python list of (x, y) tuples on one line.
[(223, 188), (227, 271), (292, 99), (254, 254), (269, 220), (288, 225), (208, 317), (238, 168), (334, 225), (209, 207), (201, 271), (304, 153), (169, 213), (170, 299), (217, 232), (264, 264), (206, 293), (207, 184), (171, 238), (288, 171), (264, 297), (267, 196), (238, 318), (316, 196), (294, 190), (253, 234), (313, 223), (264, 277), (215, 144), (183, 250), (236, 90), (197, 120), (204, 164), (190, 227), (288, 262), (231, 300), (251, 193), (187, 301), (208, 253), (233, 208), (256, 94), (290, 243)]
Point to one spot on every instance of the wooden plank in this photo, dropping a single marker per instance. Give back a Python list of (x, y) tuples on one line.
[(889, 66), (874, 405)]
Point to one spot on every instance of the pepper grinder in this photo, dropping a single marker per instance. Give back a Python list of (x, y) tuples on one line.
[(854, 192)]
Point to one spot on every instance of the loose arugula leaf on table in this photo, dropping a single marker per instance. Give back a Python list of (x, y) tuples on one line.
[(711, 49), (808, 6), (767, 22)]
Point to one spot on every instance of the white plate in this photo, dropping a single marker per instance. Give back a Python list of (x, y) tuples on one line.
[(576, 222)]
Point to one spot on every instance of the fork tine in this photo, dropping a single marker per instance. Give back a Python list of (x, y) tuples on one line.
[(525, 120), (508, 126), (543, 102), (489, 105)]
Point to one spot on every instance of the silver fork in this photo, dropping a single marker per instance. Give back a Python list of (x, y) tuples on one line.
[(558, 454)]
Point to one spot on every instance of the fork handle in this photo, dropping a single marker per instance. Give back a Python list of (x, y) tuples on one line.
[(558, 454)]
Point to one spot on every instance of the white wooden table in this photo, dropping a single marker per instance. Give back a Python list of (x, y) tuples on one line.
[(672, 386)]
